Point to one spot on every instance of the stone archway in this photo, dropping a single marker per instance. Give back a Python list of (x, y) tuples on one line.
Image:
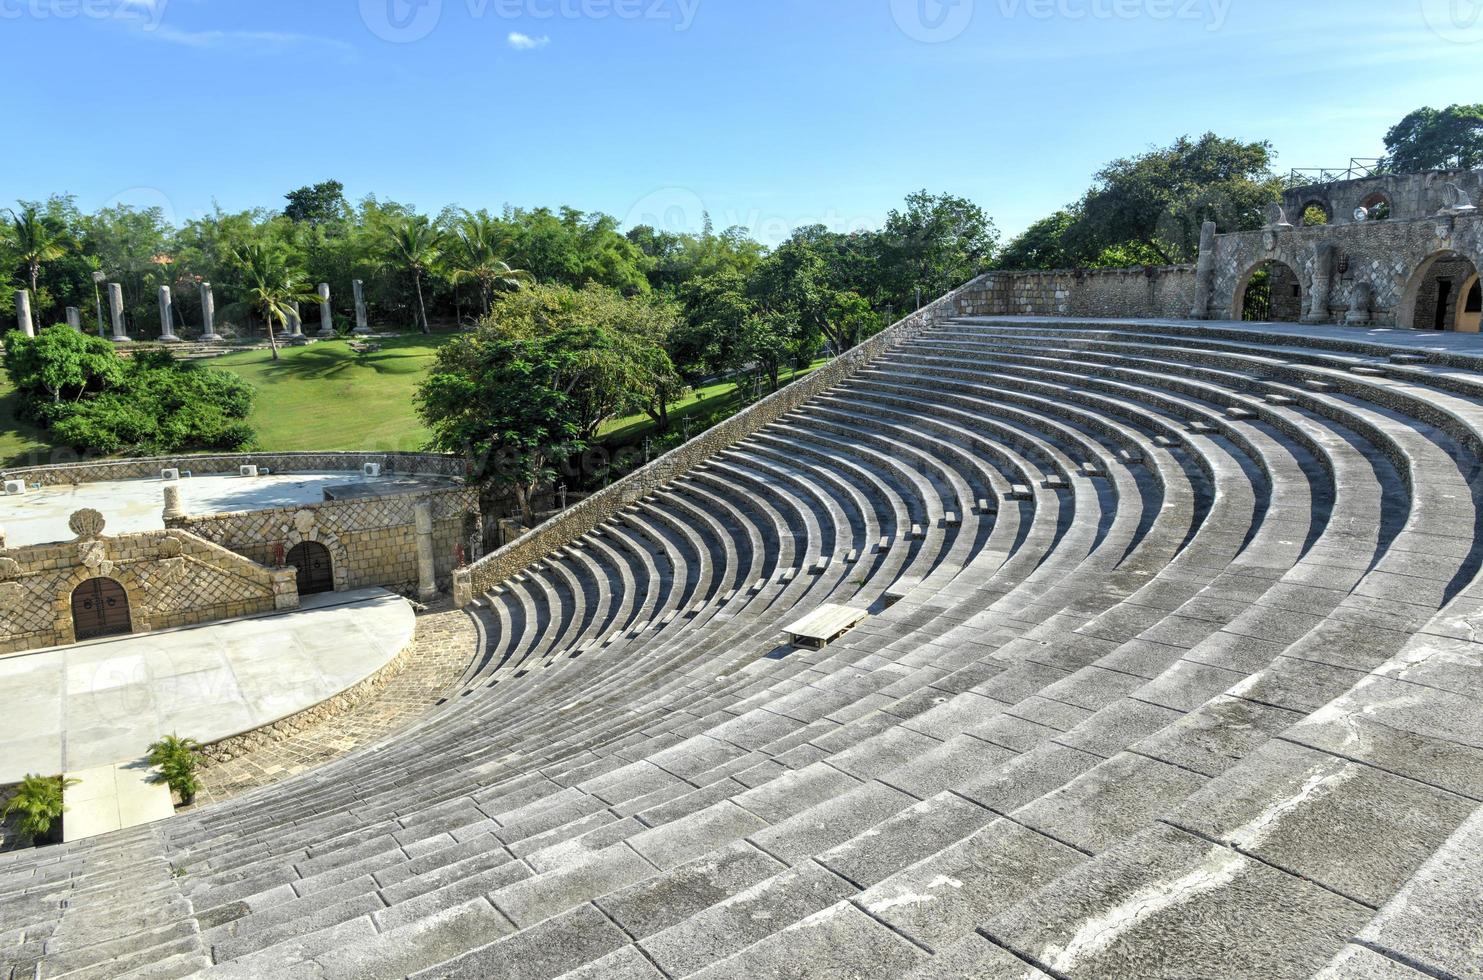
[(1439, 293), (1269, 291), (306, 530), (1315, 212), (1379, 207), (315, 568)]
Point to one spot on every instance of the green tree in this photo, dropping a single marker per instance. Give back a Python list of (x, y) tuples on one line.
[(1158, 201), (937, 242), (318, 204), (1432, 139), (505, 404), (60, 363), (415, 244), (271, 286), (1043, 245), (36, 239)]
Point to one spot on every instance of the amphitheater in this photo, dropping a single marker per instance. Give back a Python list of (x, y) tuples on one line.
[(1162, 664)]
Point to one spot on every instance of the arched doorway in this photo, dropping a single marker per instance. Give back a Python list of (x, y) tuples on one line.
[(1443, 295), (316, 571), (100, 607), (1269, 293), (1315, 214), (1377, 207)]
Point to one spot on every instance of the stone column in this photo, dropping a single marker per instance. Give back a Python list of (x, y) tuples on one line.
[(167, 317), (362, 325), (295, 322), (23, 312), (1323, 284), (1205, 273), (427, 570), (326, 315), (74, 318), (174, 509), (208, 314), (116, 308)]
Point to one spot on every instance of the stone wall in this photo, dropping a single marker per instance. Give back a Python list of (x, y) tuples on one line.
[(1152, 292), (172, 578), (1410, 195), (1393, 258), (104, 470), (594, 510), (372, 541)]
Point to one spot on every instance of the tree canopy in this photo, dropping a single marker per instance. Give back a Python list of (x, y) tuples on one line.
[(1437, 139)]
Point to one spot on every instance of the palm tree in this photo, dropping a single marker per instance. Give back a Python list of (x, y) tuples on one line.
[(271, 286), (36, 240), (480, 241), (414, 244)]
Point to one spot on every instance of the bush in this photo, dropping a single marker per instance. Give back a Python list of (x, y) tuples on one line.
[(177, 759), (37, 806), (93, 400)]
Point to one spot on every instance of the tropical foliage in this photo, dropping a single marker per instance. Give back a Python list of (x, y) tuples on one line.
[(37, 806)]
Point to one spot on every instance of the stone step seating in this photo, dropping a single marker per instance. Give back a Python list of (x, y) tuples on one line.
[(1195, 689)]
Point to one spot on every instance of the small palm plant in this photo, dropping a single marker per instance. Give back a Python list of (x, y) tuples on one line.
[(271, 286), (415, 244), (36, 239), (177, 759), (37, 807)]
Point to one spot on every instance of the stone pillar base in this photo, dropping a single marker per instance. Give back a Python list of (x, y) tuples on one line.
[(361, 332), (212, 338), (171, 339)]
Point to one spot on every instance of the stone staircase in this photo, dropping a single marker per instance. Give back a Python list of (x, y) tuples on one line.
[(1170, 671)]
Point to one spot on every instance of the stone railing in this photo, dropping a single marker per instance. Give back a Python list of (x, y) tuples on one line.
[(145, 468), (588, 514)]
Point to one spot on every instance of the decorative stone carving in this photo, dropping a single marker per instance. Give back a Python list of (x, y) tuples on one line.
[(304, 521), (92, 554), (172, 570), (1361, 305), (86, 524), (169, 548), (1324, 260), (9, 568), (1455, 200), (1277, 218)]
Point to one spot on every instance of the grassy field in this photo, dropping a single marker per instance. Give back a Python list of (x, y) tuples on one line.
[(325, 396), (18, 441)]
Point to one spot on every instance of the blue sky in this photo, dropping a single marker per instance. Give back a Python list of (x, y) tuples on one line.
[(767, 113)]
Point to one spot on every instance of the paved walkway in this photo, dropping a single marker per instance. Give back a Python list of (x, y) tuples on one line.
[(104, 702)]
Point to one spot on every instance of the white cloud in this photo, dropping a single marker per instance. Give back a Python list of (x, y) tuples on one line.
[(524, 42)]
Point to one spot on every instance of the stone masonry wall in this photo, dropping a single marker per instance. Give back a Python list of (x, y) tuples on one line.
[(172, 578), (104, 470), (372, 540), (1152, 292), (582, 517)]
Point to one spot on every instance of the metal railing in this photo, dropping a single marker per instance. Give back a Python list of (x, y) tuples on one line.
[(1359, 168)]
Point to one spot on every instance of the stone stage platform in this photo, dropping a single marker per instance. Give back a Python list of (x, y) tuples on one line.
[(98, 703)]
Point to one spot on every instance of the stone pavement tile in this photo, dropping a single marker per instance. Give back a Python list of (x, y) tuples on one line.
[(1110, 802), (1356, 830), (940, 899), (1165, 903), (668, 899), (745, 918), (975, 958), (1436, 920), (839, 943), (905, 838)]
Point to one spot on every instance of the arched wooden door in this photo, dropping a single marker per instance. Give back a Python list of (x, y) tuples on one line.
[(100, 607), (315, 569)]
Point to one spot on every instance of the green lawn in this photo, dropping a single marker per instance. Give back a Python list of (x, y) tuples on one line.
[(700, 402), (325, 396), (18, 441)]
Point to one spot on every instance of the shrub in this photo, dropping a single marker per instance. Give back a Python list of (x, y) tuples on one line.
[(93, 400), (177, 760), (36, 806)]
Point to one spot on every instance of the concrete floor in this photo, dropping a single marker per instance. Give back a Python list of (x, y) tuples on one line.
[(104, 702), (40, 516)]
